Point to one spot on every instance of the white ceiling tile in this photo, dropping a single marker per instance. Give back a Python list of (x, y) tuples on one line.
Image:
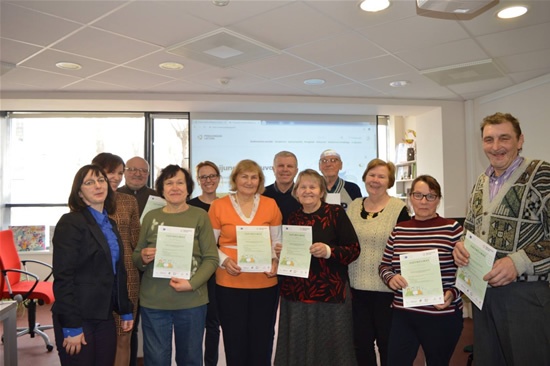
[(484, 87), (351, 90), (373, 68), (488, 22), (277, 66), (418, 85), (151, 63), (130, 78), (95, 86), (14, 52), (268, 88), (36, 78), (414, 32), (29, 26), (212, 78), (446, 54), (83, 11), (297, 81), (104, 46), (180, 86), (164, 23), (515, 41), (338, 50), (289, 26), (520, 77), (46, 61), (526, 61)]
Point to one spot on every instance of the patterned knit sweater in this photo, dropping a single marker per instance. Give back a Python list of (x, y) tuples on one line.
[(516, 221), (373, 235), (415, 236)]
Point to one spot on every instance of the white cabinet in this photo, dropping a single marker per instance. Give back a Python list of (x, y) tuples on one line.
[(405, 173)]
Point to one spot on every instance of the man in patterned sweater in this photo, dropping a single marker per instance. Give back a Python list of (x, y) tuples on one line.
[(509, 209)]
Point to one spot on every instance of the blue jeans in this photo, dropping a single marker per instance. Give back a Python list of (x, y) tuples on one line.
[(188, 327)]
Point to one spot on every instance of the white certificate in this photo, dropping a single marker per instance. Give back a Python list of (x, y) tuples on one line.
[(174, 252), (295, 257), (254, 248), (423, 275), (333, 199), (469, 279), (153, 202)]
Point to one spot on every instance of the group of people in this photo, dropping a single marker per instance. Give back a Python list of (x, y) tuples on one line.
[(350, 304)]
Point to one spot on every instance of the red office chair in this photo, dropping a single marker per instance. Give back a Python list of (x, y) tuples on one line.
[(12, 286)]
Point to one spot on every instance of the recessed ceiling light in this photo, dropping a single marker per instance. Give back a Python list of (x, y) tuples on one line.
[(374, 5), (220, 2), (68, 66), (314, 82), (512, 12), (171, 66), (399, 83)]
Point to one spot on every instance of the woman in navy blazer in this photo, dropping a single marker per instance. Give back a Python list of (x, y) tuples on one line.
[(89, 274)]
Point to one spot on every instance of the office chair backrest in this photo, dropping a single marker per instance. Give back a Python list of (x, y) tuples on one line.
[(9, 259)]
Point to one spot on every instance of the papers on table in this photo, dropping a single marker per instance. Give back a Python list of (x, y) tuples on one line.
[(423, 275), (333, 199), (295, 257), (153, 202), (254, 248), (469, 279), (174, 252)]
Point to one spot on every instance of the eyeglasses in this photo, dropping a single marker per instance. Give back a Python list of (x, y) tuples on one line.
[(91, 182), (332, 160), (135, 170), (204, 178), (429, 197)]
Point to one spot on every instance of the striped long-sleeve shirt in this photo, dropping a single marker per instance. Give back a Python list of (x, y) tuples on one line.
[(415, 236)]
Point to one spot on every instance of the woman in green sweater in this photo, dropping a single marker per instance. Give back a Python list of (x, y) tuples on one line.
[(175, 305)]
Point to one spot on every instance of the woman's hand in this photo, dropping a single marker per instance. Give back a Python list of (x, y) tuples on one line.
[(278, 249), (180, 284), (274, 266), (448, 299), (320, 250), (73, 345), (231, 267), (148, 255), (127, 325), (398, 282)]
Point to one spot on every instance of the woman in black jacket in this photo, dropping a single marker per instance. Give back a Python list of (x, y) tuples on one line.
[(89, 275)]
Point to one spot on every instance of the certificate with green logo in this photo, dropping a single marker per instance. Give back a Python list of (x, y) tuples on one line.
[(174, 252), (254, 248), (295, 257), (469, 279), (422, 272)]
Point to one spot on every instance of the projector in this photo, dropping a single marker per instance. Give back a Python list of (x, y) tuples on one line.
[(455, 6)]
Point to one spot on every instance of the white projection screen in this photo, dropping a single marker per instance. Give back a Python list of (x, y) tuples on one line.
[(225, 139)]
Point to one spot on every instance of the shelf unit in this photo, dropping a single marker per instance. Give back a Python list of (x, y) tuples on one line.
[(405, 173)]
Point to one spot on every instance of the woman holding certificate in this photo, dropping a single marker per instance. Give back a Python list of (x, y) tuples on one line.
[(126, 216), (438, 324), (373, 218), (89, 275), (247, 226), (177, 252), (315, 323)]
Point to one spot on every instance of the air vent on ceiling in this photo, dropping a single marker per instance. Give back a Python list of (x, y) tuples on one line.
[(464, 73), (223, 48)]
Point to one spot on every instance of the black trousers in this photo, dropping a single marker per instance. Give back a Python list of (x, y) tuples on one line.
[(100, 337), (372, 314), (246, 317), (212, 336)]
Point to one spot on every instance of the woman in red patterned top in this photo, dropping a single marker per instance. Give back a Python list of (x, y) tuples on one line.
[(315, 325)]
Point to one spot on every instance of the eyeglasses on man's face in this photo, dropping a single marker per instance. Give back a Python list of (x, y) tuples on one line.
[(91, 182), (204, 178), (331, 160), (429, 197), (136, 170)]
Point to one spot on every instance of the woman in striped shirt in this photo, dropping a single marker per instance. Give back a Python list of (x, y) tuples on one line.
[(436, 327)]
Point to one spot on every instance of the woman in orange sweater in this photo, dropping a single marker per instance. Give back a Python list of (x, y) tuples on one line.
[(246, 301)]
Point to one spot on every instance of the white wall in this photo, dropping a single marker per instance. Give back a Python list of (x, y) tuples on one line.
[(530, 104)]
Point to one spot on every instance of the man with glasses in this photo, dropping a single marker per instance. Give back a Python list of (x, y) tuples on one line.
[(285, 168), (136, 174), (338, 189), (509, 210)]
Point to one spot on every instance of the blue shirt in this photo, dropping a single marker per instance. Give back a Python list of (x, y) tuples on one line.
[(496, 182)]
